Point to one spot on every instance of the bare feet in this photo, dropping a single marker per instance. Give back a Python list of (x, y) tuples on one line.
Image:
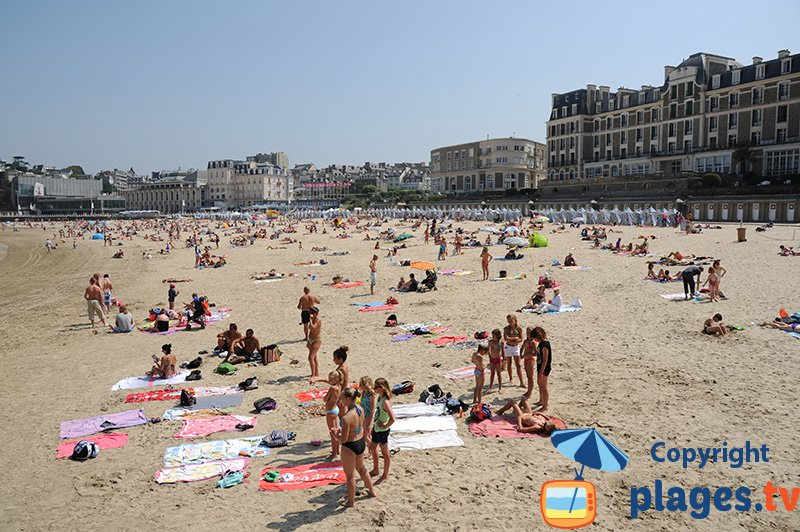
[(380, 480), (374, 473)]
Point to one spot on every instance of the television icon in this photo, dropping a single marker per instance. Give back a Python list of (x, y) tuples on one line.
[(568, 503)]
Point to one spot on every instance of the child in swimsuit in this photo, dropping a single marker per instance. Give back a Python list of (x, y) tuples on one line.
[(331, 410), (384, 418), (477, 359), (496, 359), (367, 405)]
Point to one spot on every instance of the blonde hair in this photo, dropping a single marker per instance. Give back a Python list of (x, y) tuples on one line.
[(383, 384), (366, 382), (335, 377)]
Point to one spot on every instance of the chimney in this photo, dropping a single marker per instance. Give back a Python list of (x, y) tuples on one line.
[(757, 60), (783, 54), (668, 70)]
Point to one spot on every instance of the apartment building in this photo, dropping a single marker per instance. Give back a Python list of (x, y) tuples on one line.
[(491, 165), (166, 196), (234, 184), (708, 107)]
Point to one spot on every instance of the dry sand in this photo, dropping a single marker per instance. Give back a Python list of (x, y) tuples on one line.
[(631, 363)]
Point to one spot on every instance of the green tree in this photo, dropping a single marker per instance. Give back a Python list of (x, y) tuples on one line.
[(77, 171), (712, 180), (743, 156)]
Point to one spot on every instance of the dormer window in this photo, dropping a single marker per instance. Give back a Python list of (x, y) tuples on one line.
[(786, 66), (715, 81), (760, 69), (736, 77)]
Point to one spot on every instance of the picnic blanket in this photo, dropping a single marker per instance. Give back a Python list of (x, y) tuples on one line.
[(196, 428), (417, 409), (427, 440), (203, 471), (174, 395), (132, 383), (347, 285), (461, 373), (84, 427), (210, 451), (315, 394), (377, 309), (182, 412), (402, 337), (506, 427), (444, 340), (433, 423), (113, 440), (304, 476)]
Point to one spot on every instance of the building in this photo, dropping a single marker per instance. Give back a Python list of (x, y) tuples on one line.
[(166, 196), (492, 165), (237, 184), (277, 158), (220, 179), (711, 114)]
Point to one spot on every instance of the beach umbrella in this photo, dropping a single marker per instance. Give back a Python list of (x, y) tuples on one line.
[(488, 229), (516, 241), (589, 448), (422, 265), (511, 229), (403, 236), (541, 219)]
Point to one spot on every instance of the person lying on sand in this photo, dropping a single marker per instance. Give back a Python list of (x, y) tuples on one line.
[(715, 326), (788, 252), (778, 324), (272, 274), (171, 280), (527, 421)]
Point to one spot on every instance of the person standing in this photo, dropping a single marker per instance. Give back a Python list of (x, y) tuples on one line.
[(373, 274), (351, 437), (108, 292), (688, 276), (307, 301), (384, 419), (314, 340), (172, 294), (720, 271), (544, 360), (486, 258), (93, 296), (512, 338)]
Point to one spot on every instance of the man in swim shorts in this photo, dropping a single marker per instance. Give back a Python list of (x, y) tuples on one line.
[(373, 274), (93, 295), (307, 301)]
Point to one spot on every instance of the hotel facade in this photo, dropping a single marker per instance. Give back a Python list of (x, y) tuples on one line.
[(707, 107)]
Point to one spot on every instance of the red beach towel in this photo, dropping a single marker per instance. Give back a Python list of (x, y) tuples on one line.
[(375, 309), (304, 476), (444, 340), (113, 440)]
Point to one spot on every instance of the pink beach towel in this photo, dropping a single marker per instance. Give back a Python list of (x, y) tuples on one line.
[(461, 373), (197, 428), (444, 340), (84, 427), (114, 440), (304, 476), (347, 285), (506, 427), (313, 395), (376, 309)]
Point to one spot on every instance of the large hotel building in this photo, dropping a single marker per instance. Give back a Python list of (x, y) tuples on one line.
[(708, 106)]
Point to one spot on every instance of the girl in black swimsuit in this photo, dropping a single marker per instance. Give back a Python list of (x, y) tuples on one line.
[(544, 360), (353, 447)]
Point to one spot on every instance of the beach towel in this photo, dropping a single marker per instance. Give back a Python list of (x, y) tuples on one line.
[(218, 401), (414, 326), (372, 304), (456, 272), (84, 427), (444, 340), (377, 309), (304, 476), (182, 412), (428, 440), (517, 277), (216, 316), (313, 395), (112, 440), (461, 373), (433, 423), (793, 334), (674, 297), (506, 427), (210, 451), (132, 383), (197, 428), (203, 471), (347, 285), (273, 280), (468, 344), (563, 310), (402, 337), (174, 395), (576, 268), (417, 409)]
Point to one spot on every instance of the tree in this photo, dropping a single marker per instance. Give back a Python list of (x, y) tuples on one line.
[(743, 156), (77, 171), (711, 180)]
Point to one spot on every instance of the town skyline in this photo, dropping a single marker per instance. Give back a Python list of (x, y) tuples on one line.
[(401, 82)]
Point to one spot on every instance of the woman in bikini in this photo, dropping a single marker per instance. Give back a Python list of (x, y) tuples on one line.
[(332, 410), (527, 421), (486, 258), (529, 360), (351, 437), (512, 336), (496, 360), (314, 340), (713, 284), (543, 365)]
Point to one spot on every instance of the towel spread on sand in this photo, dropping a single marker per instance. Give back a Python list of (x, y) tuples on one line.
[(174, 395), (112, 440), (444, 340), (662, 280), (377, 309), (563, 310), (313, 395), (304, 476), (461, 373), (575, 268), (414, 326), (433, 423), (216, 315), (184, 413), (209, 451), (132, 383), (217, 401), (506, 427), (347, 285), (468, 344), (273, 280), (517, 277), (195, 472), (83, 427), (402, 337), (455, 272), (372, 304), (417, 409), (428, 440), (674, 297), (792, 333), (197, 428)]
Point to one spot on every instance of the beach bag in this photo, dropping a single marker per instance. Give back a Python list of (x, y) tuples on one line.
[(454, 406), (277, 438), (271, 354), (482, 335), (194, 364), (403, 387), (433, 393), (84, 450), (225, 368), (392, 301), (265, 404), (187, 399), (503, 274), (480, 412)]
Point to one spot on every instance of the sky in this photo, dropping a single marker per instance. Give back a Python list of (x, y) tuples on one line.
[(160, 85)]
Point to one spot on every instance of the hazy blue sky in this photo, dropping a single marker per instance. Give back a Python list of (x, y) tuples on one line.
[(162, 84)]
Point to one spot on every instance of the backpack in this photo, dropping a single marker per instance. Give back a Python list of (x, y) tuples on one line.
[(430, 395), (187, 398), (403, 387), (194, 364), (84, 450), (482, 335), (480, 412), (454, 406), (277, 438), (265, 404), (225, 368), (271, 354)]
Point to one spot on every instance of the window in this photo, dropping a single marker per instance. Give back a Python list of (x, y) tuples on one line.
[(624, 119), (715, 103), (608, 122), (455, 156), (653, 132), (639, 117), (780, 137), (623, 137), (712, 142), (608, 139), (505, 148), (561, 144), (638, 134), (610, 105), (733, 121), (733, 100), (689, 88), (689, 108), (608, 155), (572, 142), (597, 125), (552, 131), (638, 151), (502, 160), (783, 162), (562, 128), (673, 110), (596, 141), (653, 149), (786, 66), (671, 147), (688, 127), (783, 91), (712, 123), (572, 127), (715, 81), (755, 138), (654, 115), (471, 152), (687, 146), (783, 113), (463, 153), (758, 115), (673, 92), (758, 95), (623, 153), (720, 164), (626, 101), (760, 71), (732, 141), (736, 76)]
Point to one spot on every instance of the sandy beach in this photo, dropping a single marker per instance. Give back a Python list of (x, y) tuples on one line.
[(630, 363)]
